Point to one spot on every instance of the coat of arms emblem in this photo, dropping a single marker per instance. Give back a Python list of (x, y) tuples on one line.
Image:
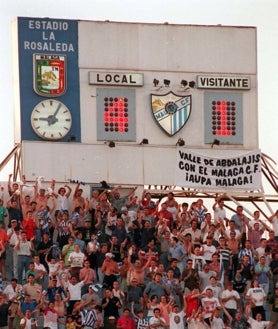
[(49, 74), (171, 111)]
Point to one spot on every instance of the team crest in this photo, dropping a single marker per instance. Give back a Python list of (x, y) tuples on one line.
[(49, 74), (171, 111)]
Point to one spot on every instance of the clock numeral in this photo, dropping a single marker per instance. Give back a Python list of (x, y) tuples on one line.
[(38, 111), (60, 134), (68, 120), (66, 128), (44, 133), (35, 119)]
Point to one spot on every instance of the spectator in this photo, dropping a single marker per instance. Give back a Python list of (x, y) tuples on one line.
[(33, 289), (125, 321), (91, 277), (62, 202), (27, 322), (110, 270), (12, 292), (273, 301), (156, 287), (257, 321), (135, 296), (256, 297), (76, 260), (190, 277), (273, 219), (209, 304), (24, 248), (157, 321), (231, 300), (110, 305)]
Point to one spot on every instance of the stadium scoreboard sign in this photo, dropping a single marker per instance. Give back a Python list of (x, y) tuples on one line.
[(223, 82), (82, 82)]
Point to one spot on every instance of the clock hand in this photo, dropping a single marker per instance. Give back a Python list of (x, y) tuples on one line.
[(57, 110), (52, 118), (44, 119)]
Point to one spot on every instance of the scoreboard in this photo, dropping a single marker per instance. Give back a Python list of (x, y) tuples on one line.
[(89, 83)]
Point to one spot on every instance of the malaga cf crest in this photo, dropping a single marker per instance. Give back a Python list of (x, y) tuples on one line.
[(171, 111), (49, 74)]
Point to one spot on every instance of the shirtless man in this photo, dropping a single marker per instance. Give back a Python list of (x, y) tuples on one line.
[(60, 305), (233, 242), (25, 202), (110, 269), (41, 198), (138, 271), (78, 200)]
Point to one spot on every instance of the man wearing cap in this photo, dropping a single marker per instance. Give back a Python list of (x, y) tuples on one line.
[(110, 269), (91, 298), (111, 323)]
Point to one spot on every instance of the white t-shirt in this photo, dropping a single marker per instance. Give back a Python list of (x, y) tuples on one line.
[(258, 294), (75, 290), (176, 320), (231, 303), (154, 320), (197, 262), (209, 305), (77, 259), (219, 213), (217, 323), (208, 251), (257, 324), (28, 323)]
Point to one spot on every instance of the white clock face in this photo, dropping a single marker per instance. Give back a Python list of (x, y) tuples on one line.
[(51, 119)]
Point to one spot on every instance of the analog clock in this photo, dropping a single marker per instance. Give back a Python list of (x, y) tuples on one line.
[(51, 119)]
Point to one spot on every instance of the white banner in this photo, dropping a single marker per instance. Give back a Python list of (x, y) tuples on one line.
[(242, 172)]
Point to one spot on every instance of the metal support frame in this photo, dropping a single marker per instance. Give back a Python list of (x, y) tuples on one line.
[(257, 198)]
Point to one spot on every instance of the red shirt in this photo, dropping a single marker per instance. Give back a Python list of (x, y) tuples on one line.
[(29, 226), (192, 304), (126, 323)]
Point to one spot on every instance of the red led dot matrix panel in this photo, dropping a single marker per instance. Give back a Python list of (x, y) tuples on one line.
[(223, 117), (116, 115)]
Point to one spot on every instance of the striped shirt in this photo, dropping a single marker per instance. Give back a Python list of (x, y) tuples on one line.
[(225, 253), (89, 318)]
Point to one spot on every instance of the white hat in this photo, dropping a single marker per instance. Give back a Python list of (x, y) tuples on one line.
[(109, 254)]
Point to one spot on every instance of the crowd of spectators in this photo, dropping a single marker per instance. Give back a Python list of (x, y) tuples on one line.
[(119, 261)]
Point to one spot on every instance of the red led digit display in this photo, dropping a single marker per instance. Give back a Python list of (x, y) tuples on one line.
[(223, 115), (115, 114)]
